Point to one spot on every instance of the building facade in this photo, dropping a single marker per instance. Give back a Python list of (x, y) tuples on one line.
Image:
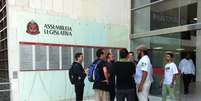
[(39, 37), (167, 25), (44, 35)]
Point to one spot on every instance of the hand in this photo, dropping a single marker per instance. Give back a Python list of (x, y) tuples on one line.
[(172, 85), (85, 70), (106, 81), (140, 88)]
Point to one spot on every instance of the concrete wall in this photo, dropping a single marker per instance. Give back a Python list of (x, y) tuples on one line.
[(112, 12)]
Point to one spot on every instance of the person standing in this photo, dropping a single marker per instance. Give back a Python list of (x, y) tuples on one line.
[(187, 68), (110, 61), (143, 76), (124, 71), (101, 87), (169, 81), (79, 75), (131, 57)]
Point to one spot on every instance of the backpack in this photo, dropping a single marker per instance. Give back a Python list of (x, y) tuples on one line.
[(93, 72), (72, 75)]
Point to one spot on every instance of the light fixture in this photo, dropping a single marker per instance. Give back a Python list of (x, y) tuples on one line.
[(180, 49), (195, 19), (158, 48), (177, 53)]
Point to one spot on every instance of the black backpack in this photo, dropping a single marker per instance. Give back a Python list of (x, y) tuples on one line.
[(72, 75)]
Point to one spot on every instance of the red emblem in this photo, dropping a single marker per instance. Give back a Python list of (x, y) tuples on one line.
[(32, 28)]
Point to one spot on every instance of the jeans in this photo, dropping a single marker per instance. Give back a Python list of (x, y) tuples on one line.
[(79, 90), (101, 95), (168, 90), (129, 94)]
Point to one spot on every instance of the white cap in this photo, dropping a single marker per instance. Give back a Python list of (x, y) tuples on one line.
[(142, 47)]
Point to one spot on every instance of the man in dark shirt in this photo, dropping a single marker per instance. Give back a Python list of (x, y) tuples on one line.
[(124, 71), (101, 87), (80, 75)]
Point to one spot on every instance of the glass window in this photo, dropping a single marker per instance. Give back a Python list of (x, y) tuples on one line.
[(95, 50), (77, 50), (114, 52), (66, 57), (26, 57), (41, 57), (158, 45), (53, 57), (166, 14), (87, 57)]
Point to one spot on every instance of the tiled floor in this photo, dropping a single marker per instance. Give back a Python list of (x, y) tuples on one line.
[(194, 93)]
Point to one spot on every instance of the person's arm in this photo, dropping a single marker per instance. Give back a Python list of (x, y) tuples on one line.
[(175, 72), (161, 83), (173, 80), (144, 76), (144, 68), (181, 67), (80, 71), (193, 68), (106, 74)]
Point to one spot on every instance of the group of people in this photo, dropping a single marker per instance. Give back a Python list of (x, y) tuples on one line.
[(126, 78)]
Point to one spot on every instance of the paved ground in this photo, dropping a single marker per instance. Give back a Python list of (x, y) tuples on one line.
[(152, 98), (194, 94)]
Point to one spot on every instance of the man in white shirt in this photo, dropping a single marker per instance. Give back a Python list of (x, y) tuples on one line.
[(187, 68), (168, 83), (143, 76)]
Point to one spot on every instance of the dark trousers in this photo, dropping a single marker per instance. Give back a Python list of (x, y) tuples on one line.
[(112, 92), (79, 90), (129, 94), (187, 80)]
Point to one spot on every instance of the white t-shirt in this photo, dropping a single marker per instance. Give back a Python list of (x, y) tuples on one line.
[(187, 66), (144, 64), (170, 71)]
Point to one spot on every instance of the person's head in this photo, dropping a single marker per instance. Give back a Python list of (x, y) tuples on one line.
[(169, 56), (110, 57), (123, 53), (188, 55), (141, 50), (100, 53), (131, 56), (79, 57)]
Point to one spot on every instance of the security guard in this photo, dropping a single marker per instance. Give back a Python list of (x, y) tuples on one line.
[(143, 76)]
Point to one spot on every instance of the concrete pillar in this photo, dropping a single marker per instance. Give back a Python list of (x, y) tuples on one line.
[(198, 45)]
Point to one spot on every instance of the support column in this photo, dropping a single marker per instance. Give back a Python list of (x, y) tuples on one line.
[(198, 45)]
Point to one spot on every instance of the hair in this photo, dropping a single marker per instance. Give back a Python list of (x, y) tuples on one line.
[(108, 54), (131, 53), (123, 53), (170, 54), (145, 52), (77, 55), (99, 52)]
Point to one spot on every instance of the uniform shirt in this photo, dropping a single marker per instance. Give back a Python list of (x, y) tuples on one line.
[(170, 71), (187, 66), (144, 64)]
